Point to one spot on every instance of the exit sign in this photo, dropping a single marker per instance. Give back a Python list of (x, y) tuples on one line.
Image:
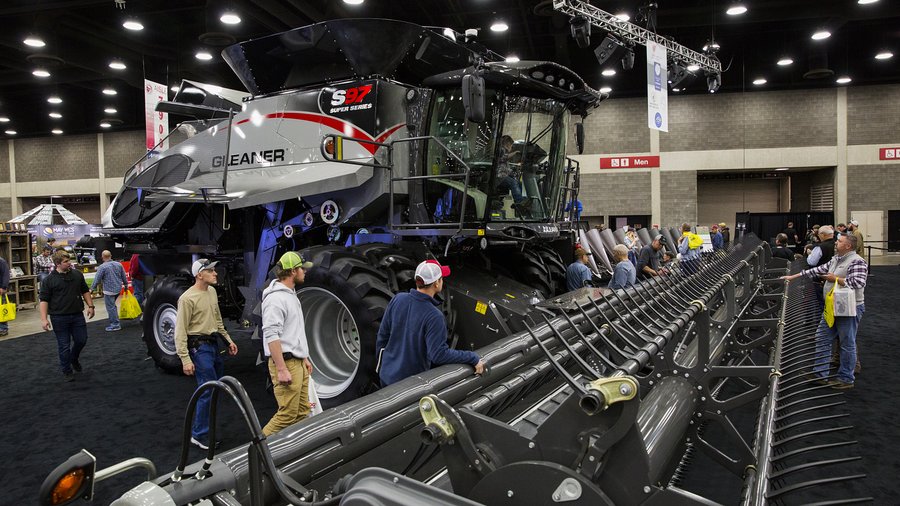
[(889, 153), (629, 162)]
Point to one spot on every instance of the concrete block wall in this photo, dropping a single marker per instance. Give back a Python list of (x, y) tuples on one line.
[(56, 158), (121, 150), (617, 126), (4, 163), (615, 193), (873, 188), (678, 197), (751, 120), (873, 115)]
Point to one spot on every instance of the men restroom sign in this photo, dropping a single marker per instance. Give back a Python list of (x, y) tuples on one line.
[(629, 162)]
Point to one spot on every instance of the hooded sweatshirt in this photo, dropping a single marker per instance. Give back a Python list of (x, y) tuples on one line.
[(283, 320)]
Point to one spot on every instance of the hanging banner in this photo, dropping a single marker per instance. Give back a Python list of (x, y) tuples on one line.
[(157, 122), (657, 87)]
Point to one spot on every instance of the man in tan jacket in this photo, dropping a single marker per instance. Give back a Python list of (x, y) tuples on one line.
[(198, 330)]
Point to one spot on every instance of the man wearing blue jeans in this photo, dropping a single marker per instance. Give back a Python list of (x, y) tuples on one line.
[(111, 278), (64, 294), (845, 269), (198, 330)]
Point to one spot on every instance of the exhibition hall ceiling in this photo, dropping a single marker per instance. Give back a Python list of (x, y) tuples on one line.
[(71, 65)]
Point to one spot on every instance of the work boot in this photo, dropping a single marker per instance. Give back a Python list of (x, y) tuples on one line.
[(76, 365), (69, 377)]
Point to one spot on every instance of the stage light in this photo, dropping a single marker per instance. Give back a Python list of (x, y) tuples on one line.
[(580, 29)]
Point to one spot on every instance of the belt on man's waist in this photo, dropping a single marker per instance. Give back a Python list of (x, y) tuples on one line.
[(288, 355)]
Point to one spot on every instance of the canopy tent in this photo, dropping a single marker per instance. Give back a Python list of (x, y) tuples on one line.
[(49, 214)]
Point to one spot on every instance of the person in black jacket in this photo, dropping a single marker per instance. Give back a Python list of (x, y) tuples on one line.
[(4, 287), (63, 296), (781, 250)]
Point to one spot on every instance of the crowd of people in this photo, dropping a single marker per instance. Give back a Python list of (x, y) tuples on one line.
[(412, 337)]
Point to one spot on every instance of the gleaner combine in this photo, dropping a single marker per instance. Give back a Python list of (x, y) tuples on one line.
[(386, 136), (368, 145)]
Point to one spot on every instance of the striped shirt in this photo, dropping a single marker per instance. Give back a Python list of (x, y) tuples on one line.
[(857, 272)]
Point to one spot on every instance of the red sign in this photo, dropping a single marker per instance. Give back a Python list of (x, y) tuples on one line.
[(889, 153), (629, 162)]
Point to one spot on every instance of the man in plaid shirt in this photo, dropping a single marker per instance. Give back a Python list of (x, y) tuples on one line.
[(847, 269)]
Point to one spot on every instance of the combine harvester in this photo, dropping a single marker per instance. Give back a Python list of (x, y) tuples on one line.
[(385, 136), (368, 146)]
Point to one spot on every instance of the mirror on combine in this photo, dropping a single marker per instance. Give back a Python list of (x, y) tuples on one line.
[(579, 137), (473, 97), (70, 481)]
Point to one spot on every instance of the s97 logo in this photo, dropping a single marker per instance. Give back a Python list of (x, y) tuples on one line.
[(350, 96)]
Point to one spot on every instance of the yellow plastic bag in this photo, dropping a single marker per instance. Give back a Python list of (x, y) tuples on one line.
[(7, 309), (829, 307), (130, 308)]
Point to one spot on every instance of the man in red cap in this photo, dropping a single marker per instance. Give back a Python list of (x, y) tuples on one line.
[(413, 334)]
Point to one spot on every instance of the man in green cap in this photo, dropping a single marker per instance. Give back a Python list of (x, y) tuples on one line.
[(284, 342)]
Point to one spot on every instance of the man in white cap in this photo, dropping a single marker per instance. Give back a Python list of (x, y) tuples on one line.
[(854, 229), (413, 334), (284, 342), (198, 330)]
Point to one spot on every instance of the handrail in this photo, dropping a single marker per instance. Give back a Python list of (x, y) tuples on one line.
[(336, 155)]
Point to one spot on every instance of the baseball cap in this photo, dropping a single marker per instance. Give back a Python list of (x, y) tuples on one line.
[(292, 260), (203, 264), (854, 223), (431, 270)]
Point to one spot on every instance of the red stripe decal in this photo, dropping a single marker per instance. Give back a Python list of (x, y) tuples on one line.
[(341, 126)]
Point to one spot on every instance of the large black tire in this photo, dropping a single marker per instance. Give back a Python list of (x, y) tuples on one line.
[(555, 267), (525, 266), (159, 321), (343, 299)]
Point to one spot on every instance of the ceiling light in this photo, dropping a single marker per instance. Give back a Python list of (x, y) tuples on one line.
[(784, 62), (110, 110), (623, 16), (783, 168), (693, 68), (133, 25), (354, 2), (105, 124), (606, 89), (34, 41), (884, 55), (4, 119), (117, 65), (821, 35), (44, 73), (760, 81), (54, 100), (109, 91), (11, 132), (866, 2), (843, 80), (56, 131), (203, 55), (175, 88), (736, 10), (499, 26), (55, 115), (512, 59), (230, 18), (676, 90), (608, 72)]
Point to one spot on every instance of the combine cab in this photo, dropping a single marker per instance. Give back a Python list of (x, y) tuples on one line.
[(369, 146)]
